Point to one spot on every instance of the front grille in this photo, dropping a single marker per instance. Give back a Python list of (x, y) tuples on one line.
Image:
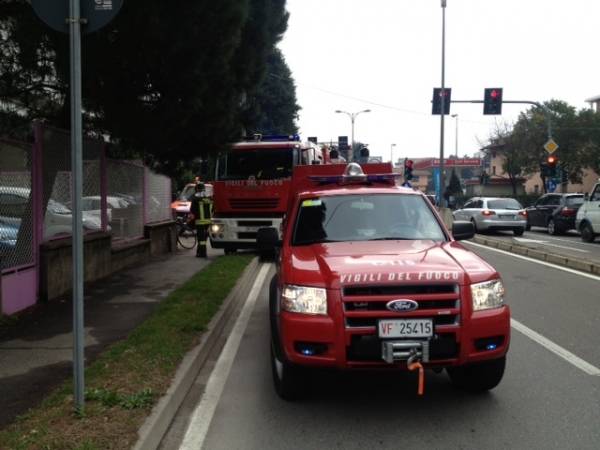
[(416, 289), (254, 203), (255, 223), (364, 306), (246, 235)]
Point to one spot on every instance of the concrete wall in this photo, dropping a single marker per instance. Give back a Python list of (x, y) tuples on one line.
[(56, 263), (162, 236), (102, 257)]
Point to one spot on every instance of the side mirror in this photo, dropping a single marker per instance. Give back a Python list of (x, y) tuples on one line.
[(267, 239), (462, 229)]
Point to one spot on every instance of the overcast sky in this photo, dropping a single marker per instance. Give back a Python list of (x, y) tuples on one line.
[(385, 55)]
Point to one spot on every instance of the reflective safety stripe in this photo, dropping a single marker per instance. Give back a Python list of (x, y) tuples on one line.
[(203, 222)]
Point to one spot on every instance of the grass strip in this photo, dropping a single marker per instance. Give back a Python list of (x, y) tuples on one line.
[(128, 378)]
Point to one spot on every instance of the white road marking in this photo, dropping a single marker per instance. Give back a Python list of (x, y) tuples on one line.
[(537, 261), (556, 349), (204, 412), (535, 241), (572, 241)]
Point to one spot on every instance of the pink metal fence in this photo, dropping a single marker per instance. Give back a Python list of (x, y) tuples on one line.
[(119, 197)]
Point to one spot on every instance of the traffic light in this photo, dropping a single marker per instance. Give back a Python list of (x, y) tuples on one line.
[(492, 101), (408, 168), (551, 162), (436, 108)]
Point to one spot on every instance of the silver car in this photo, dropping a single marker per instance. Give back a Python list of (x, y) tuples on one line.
[(492, 213)]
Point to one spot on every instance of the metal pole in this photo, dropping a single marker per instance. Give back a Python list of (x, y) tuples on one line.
[(441, 199), (351, 152), (392, 154), (77, 172), (456, 137)]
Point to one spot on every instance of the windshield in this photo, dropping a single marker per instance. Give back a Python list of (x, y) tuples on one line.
[(187, 193), (365, 218), (504, 203), (575, 200), (261, 164)]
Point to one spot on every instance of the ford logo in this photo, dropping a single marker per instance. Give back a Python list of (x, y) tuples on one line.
[(402, 305)]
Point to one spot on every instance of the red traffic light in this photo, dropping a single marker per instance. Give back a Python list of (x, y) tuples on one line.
[(494, 94), (552, 160)]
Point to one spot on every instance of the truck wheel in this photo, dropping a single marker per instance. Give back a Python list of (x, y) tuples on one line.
[(587, 233), (479, 377), (286, 378)]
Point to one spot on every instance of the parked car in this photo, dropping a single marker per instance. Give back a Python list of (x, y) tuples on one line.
[(8, 236), (556, 212), (587, 220), (58, 217), (492, 213)]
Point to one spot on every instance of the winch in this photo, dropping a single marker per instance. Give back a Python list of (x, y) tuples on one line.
[(393, 351)]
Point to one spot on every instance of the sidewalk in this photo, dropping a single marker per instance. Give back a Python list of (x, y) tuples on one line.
[(36, 356)]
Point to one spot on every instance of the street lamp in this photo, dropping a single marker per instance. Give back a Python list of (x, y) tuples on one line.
[(392, 153), (455, 116), (441, 196), (352, 118)]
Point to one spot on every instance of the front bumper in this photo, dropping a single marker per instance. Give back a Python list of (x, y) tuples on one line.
[(479, 336), (240, 232), (492, 224)]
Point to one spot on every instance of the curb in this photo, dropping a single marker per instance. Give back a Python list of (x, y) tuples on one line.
[(553, 258), (156, 425)]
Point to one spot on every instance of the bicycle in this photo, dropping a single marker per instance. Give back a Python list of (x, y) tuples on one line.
[(186, 233)]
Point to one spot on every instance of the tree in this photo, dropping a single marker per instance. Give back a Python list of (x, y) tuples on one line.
[(274, 108), (167, 82), (516, 157)]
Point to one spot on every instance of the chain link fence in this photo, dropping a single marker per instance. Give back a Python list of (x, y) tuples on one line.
[(16, 205), (158, 197), (125, 198)]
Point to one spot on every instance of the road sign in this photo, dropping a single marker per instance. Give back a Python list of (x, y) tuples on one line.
[(550, 146), (94, 13), (551, 185)]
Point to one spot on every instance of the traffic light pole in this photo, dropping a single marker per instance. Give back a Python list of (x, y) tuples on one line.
[(527, 102), (443, 101)]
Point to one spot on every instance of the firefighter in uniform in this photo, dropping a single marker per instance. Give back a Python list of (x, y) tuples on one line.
[(201, 208)]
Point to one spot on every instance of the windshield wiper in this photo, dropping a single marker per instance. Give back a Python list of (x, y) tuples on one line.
[(391, 239)]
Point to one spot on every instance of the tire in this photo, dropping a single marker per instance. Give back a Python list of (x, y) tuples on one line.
[(587, 233), (552, 228), (518, 231), (287, 379), (479, 377), (474, 225), (186, 236), (230, 250), (528, 226)]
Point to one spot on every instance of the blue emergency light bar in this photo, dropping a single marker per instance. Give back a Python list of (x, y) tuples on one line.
[(349, 179), (275, 138)]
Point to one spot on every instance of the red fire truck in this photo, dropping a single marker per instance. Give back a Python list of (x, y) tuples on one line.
[(252, 187), (368, 277)]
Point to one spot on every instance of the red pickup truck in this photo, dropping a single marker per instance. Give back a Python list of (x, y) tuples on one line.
[(368, 276)]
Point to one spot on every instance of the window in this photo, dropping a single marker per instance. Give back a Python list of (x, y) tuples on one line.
[(504, 203), (365, 218), (263, 164), (574, 200), (596, 194)]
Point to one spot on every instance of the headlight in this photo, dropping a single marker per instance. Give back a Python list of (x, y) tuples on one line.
[(217, 228), (487, 295), (307, 300)]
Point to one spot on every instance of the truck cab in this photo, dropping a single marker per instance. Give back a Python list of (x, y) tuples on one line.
[(587, 221), (252, 186), (369, 277)]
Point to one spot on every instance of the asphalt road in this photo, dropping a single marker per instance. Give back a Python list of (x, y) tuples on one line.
[(568, 244), (546, 400)]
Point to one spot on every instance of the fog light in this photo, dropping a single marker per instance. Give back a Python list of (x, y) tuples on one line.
[(310, 348)]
